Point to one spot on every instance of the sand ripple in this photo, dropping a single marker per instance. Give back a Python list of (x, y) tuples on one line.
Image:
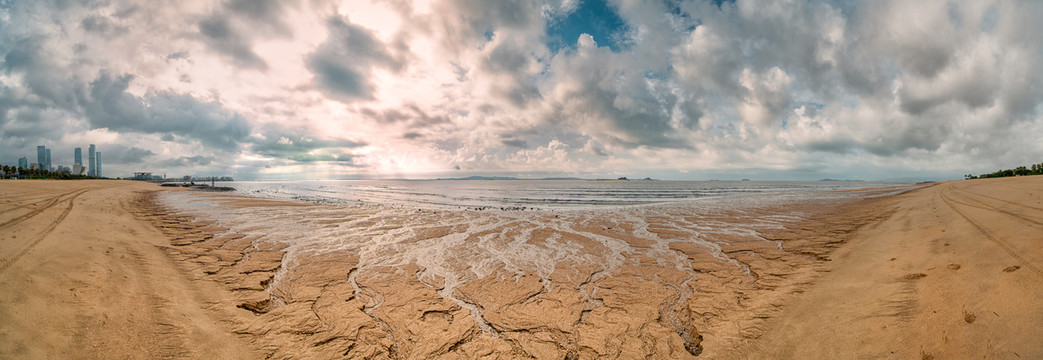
[(363, 280)]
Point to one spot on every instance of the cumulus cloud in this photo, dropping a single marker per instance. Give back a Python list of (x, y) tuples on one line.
[(342, 64), (408, 88), (307, 149), (231, 30), (126, 155), (110, 106), (188, 161)]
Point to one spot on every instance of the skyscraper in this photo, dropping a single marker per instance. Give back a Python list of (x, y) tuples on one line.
[(23, 163), (90, 161), (41, 156), (77, 156), (97, 158), (48, 166)]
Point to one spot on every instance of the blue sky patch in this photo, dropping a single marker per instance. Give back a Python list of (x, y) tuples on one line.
[(594, 17)]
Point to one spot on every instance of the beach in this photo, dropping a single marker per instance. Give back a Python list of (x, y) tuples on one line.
[(104, 269)]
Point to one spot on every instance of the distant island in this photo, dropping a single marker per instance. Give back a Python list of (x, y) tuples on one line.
[(621, 178), (508, 178)]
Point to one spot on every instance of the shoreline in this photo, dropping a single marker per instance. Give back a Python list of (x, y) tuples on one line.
[(702, 314), (247, 299)]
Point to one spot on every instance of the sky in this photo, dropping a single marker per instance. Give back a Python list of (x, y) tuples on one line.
[(316, 89)]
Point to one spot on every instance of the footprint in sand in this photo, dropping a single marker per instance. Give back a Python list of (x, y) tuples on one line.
[(954, 266), (1012, 268), (915, 276), (969, 318)]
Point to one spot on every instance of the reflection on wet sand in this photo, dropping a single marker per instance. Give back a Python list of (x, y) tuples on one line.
[(361, 280)]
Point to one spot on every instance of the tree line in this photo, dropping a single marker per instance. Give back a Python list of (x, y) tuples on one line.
[(1034, 169), (14, 172)]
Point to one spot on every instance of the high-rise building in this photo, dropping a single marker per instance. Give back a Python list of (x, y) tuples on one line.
[(41, 156), (97, 159), (49, 167), (90, 161), (77, 156), (23, 163)]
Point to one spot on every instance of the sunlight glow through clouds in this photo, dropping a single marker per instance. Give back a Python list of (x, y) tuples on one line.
[(700, 89)]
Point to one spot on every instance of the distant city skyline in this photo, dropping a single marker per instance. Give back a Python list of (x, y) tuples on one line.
[(44, 161), (90, 160)]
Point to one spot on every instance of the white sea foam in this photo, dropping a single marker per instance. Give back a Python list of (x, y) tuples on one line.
[(479, 243)]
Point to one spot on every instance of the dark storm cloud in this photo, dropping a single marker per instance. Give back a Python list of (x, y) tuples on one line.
[(514, 142), (305, 148), (161, 112), (41, 74), (412, 115), (232, 29), (341, 65), (118, 154), (225, 40), (31, 123), (188, 161)]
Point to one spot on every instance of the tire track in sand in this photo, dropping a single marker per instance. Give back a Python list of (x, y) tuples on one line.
[(1030, 207), (29, 202), (52, 201), (1002, 244), (43, 234)]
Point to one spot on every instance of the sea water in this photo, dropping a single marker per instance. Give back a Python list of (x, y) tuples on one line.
[(533, 194)]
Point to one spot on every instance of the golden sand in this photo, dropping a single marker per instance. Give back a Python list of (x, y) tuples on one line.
[(98, 269)]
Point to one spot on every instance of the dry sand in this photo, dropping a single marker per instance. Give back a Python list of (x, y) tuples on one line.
[(81, 277), (96, 269), (954, 273)]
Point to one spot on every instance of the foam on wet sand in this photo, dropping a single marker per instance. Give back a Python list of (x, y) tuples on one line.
[(106, 269), (662, 280)]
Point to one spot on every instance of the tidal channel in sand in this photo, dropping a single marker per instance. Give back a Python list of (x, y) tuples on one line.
[(666, 280), (102, 269)]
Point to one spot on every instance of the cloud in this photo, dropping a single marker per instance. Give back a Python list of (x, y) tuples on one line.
[(109, 105), (187, 161), (103, 25), (598, 91), (307, 149), (518, 143), (222, 38), (506, 86), (126, 155), (342, 64), (232, 29)]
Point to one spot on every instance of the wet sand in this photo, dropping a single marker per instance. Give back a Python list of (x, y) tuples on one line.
[(101, 269)]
